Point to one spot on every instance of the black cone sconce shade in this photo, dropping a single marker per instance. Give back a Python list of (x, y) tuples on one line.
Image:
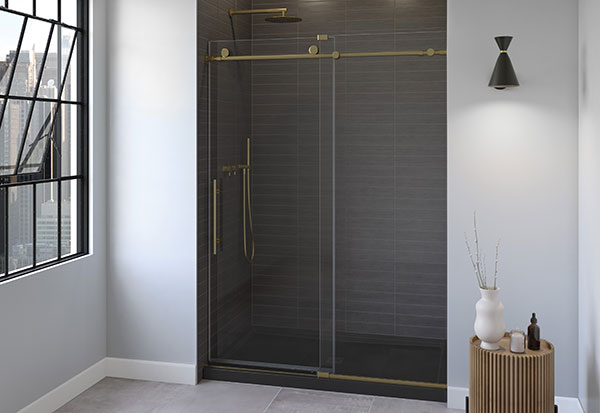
[(504, 74)]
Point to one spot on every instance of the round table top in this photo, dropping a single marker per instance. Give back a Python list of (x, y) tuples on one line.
[(546, 348)]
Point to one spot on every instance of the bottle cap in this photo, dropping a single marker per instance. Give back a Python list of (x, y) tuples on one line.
[(533, 319)]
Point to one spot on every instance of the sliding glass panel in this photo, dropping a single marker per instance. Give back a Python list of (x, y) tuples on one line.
[(274, 209)]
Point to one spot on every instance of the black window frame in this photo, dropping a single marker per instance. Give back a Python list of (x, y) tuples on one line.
[(21, 179)]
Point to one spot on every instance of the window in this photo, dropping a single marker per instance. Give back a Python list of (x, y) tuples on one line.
[(43, 134)]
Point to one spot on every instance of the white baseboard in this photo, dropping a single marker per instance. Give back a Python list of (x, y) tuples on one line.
[(456, 397), (113, 367), (67, 391), (456, 400), (151, 370)]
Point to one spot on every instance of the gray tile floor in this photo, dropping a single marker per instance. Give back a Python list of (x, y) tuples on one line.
[(133, 396)]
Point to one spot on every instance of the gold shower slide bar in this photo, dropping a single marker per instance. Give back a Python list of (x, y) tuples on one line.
[(333, 55)]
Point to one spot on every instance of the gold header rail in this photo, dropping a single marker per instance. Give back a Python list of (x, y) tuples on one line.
[(225, 57)]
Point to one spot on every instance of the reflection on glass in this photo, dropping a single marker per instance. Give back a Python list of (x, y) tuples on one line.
[(48, 9), (25, 6), (69, 12), (38, 137), (11, 134), (68, 228), (29, 61), (10, 30), (20, 227), (46, 222)]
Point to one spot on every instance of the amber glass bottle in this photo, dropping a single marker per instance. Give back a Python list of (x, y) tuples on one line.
[(533, 334)]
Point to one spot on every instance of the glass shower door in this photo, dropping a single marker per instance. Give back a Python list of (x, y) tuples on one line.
[(271, 136)]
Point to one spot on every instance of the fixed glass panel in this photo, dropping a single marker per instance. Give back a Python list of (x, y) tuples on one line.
[(49, 82), (67, 141), (267, 300), (46, 222), (25, 6), (69, 12), (30, 59), (20, 227), (69, 217), (10, 30), (70, 88), (48, 9), (391, 209), (11, 133)]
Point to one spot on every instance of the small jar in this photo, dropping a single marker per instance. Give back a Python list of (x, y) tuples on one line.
[(517, 341)]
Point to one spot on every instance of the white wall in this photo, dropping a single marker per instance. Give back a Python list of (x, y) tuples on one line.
[(152, 180), (512, 156), (53, 322), (589, 206)]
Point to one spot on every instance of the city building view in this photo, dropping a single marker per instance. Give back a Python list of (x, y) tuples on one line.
[(46, 152)]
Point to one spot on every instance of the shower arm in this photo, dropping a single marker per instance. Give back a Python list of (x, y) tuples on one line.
[(282, 10)]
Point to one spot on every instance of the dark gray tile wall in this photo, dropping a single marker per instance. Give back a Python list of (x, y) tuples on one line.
[(231, 295), (390, 170), (285, 131)]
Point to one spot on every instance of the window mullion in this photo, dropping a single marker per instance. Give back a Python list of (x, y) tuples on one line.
[(35, 93), (6, 246), (14, 67)]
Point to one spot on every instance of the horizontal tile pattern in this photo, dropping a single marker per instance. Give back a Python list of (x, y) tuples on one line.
[(390, 168)]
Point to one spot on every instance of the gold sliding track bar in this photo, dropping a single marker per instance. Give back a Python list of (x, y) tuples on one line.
[(324, 375), (256, 370), (333, 55)]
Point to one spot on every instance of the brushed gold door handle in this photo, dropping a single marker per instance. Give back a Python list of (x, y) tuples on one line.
[(215, 191)]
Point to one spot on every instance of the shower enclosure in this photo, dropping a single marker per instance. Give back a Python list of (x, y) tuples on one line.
[(327, 210)]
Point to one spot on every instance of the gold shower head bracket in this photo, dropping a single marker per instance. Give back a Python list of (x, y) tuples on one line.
[(282, 10)]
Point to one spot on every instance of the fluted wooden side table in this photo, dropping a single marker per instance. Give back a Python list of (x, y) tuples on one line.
[(505, 382)]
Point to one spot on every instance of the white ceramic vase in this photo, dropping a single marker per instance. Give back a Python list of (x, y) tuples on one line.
[(489, 323)]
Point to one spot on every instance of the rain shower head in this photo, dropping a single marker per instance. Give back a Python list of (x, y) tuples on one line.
[(281, 17)]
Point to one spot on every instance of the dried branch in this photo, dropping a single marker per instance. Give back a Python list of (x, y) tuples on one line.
[(478, 261)]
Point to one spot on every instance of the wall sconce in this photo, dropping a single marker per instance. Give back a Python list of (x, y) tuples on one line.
[(503, 75)]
